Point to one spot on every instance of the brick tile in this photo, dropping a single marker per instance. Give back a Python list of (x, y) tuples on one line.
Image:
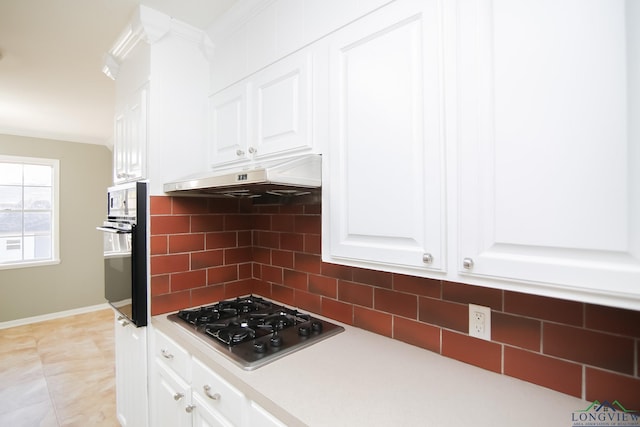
[(469, 294), (373, 277), (263, 256), (518, 331), (477, 352), (544, 308), (549, 372), (189, 205), (313, 244), (293, 208), (282, 223), (272, 274), (206, 259), (186, 243), (170, 302), (244, 271), (262, 222), (338, 271), (292, 242), (308, 301), (237, 255), (282, 258), (614, 320), (321, 285), (222, 274), (161, 264), (169, 224), (256, 270), (159, 205), (223, 239), (245, 238), (206, 223), (355, 293), (160, 285), (158, 245), (188, 280), (296, 280), (262, 288), (590, 347), (237, 222), (220, 205), (307, 263), (207, 295), (417, 333), (449, 315), (283, 294), (308, 224), (417, 285), (396, 303), (371, 320), (267, 239), (313, 209), (337, 310), (601, 385), (239, 288)]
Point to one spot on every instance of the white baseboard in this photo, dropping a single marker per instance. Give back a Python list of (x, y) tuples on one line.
[(51, 316)]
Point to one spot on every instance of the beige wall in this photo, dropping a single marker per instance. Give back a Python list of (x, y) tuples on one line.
[(85, 174)]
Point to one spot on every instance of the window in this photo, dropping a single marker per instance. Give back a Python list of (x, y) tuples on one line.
[(28, 211)]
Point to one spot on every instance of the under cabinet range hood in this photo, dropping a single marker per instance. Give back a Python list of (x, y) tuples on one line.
[(284, 178)]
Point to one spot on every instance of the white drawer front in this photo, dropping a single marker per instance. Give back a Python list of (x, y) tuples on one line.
[(172, 355)]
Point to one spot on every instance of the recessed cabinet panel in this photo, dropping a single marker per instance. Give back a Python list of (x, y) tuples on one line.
[(228, 125), (130, 137), (548, 153), (281, 97), (384, 160)]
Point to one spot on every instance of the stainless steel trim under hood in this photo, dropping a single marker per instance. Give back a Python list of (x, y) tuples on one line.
[(293, 176)]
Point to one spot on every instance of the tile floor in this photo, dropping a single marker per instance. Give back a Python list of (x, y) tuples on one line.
[(59, 373)]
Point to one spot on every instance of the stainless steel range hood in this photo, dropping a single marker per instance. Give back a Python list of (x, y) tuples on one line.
[(290, 177)]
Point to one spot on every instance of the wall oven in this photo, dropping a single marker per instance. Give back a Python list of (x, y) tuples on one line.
[(125, 251)]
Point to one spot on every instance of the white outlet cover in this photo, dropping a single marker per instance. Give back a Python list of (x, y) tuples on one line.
[(480, 326)]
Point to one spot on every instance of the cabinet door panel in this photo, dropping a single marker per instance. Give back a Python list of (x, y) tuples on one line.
[(548, 153), (228, 125), (281, 100), (172, 395), (385, 156)]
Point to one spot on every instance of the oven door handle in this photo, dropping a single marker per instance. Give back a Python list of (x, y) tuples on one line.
[(114, 230)]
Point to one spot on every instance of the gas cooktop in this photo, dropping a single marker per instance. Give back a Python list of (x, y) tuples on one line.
[(253, 331)]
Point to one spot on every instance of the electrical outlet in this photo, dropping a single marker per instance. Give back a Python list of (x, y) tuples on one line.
[(480, 322)]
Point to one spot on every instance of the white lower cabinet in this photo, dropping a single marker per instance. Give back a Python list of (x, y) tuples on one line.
[(131, 369), (188, 393)]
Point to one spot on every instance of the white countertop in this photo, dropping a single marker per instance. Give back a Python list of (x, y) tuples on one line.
[(358, 378)]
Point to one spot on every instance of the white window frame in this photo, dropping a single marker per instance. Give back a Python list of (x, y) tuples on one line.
[(55, 212)]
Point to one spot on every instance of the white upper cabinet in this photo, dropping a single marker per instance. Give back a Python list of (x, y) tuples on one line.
[(130, 137), (383, 196), (265, 115), (549, 146)]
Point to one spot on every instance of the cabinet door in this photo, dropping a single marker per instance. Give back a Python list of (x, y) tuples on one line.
[(205, 416), (383, 175), (549, 159), (281, 101), (172, 397), (228, 125), (131, 374), (130, 138)]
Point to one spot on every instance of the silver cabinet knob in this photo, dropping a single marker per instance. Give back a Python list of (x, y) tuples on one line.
[(467, 263), (239, 153), (253, 150), (190, 408), (207, 391), (427, 258), (178, 396), (166, 354), (123, 321)]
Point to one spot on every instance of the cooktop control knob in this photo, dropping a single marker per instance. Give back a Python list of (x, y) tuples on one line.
[(316, 326), (304, 331), (276, 341), (260, 347)]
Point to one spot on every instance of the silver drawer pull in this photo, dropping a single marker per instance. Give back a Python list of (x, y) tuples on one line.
[(207, 391), (178, 396), (165, 353), (190, 408)]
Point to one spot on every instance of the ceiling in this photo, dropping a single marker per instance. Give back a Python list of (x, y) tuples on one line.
[(51, 84)]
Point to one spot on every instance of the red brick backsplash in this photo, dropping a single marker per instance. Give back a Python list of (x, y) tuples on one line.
[(204, 250)]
